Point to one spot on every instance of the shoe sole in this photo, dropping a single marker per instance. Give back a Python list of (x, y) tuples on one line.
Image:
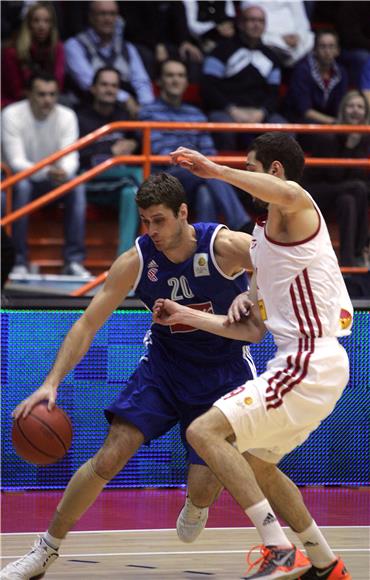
[(294, 575)]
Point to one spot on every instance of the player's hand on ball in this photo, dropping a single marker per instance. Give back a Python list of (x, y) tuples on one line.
[(240, 308), (44, 393)]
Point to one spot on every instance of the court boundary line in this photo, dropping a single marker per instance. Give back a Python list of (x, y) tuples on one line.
[(143, 530)]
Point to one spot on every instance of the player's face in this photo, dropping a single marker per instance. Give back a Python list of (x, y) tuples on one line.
[(252, 164), (163, 227)]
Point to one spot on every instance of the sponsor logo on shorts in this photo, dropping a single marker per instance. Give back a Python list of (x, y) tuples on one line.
[(234, 393), (248, 401), (345, 319)]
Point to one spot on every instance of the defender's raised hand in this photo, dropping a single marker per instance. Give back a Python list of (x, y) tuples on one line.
[(196, 163)]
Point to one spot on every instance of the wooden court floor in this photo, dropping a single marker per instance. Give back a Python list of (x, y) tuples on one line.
[(145, 554)]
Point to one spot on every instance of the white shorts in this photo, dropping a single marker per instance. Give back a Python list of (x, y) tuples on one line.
[(276, 412)]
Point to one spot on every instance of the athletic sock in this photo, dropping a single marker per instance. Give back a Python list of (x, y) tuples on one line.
[(317, 548), (51, 541), (271, 532)]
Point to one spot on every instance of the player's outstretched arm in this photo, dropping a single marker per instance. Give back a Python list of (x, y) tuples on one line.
[(167, 312), (119, 282)]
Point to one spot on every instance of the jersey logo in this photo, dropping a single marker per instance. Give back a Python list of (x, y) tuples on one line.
[(204, 307), (345, 319), (261, 306), (200, 265), (152, 271)]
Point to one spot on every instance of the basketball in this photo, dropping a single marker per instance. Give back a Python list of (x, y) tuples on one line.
[(43, 437)]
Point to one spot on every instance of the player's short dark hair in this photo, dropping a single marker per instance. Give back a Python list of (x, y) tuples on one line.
[(41, 76), (104, 69), (270, 147), (161, 188)]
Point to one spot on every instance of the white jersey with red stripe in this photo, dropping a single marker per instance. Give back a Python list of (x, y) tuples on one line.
[(300, 288)]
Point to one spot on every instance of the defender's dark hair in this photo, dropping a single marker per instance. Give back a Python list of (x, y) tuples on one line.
[(161, 188), (41, 76), (102, 70), (281, 147)]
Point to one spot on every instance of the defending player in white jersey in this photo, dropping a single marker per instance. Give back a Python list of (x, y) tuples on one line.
[(298, 294)]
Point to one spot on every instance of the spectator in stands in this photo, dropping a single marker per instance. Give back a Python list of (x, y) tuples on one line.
[(103, 44), (208, 198), (210, 22), (33, 129), (36, 49), (241, 79), (345, 188), (288, 30), (318, 83), (352, 22), (168, 38), (116, 186), (365, 80)]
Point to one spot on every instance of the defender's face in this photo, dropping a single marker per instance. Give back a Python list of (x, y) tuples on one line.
[(252, 164), (163, 227)]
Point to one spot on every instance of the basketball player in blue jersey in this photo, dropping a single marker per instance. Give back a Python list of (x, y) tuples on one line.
[(202, 266)]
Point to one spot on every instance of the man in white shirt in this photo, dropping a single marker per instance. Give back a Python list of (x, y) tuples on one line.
[(31, 130)]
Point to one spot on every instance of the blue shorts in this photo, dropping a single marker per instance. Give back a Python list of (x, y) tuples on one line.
[(160, 394)]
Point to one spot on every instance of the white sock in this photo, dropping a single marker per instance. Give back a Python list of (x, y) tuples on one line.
[(52, 541), (268, 527), (317, 548)]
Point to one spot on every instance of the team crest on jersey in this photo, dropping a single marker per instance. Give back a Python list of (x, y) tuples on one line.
[(345, 319), (152, 271), (200, 264)]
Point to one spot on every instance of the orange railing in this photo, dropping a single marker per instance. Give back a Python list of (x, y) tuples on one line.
[(146, 159), (8, 195)]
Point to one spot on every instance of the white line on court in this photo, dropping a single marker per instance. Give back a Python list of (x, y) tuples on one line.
[(143, 531), (174, 553)]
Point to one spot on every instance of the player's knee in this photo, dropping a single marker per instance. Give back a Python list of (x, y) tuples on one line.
[(203, 430), (196, 433)]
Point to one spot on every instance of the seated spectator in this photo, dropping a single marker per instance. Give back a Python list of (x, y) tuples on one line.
[(36, 49), (365, 80), (210, 22), (345, 188), (32, 130), (116, 186), (103, 44), (169, 38), (288, 30), (318, 83), (208, 198), (241, 80), (352, 22)]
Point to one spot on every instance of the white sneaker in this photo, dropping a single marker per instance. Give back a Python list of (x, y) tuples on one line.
[(76, 269), (191, 521), (33, 565)]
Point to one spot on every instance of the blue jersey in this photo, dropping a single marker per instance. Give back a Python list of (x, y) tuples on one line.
[(197, 282), (185, 370)]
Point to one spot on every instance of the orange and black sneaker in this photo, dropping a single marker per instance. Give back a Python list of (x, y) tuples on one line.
[(275, 562), (335, 571)]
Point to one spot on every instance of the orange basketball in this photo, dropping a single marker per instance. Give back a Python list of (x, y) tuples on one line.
[(44, 436)]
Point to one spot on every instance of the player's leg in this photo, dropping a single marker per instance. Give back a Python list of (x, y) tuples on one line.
[(286, 499), (83, 489), (211, 435), (203, 489)]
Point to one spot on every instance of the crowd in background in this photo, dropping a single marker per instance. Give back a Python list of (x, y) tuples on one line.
[(70, 67)]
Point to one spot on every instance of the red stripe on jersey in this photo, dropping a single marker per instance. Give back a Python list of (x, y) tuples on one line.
[(305, 307), (296, 310), (312, 301)]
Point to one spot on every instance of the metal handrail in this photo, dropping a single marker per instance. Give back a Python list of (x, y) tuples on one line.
[(8, 195), (146, 159)]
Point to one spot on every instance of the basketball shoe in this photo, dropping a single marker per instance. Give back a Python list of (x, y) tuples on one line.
[(33, 565), (275, 562), (335, 571), (191, 521)]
